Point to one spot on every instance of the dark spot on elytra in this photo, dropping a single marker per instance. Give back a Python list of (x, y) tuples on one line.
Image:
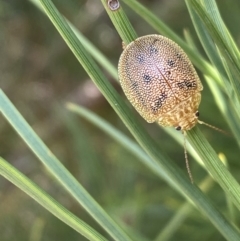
[(168, 72), (146, 78), (181, 85), (179, 56), (153, 50), (134, 85), (170, 63), (191, 85), (140, 58), (187, 85), (163, 96), (158, 103)]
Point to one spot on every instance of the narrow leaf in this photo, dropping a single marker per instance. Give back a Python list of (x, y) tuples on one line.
[(30, 188)]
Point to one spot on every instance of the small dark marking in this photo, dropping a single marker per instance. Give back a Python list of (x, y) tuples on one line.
[(187, 85), (155, 40), (179, 56), (158, 103), (135, 88), (191, 85), (134, 85), (170, 62), (163, 96), (147, 78), (140, 58), (197, 114), (153, 50), (181, 85)]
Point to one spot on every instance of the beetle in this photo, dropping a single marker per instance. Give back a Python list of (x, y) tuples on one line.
[(160, 81)]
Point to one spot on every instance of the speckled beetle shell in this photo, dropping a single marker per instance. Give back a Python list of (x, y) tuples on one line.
[(160, 82)]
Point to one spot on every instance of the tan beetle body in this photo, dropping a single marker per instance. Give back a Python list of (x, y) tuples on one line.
[(160, 82)]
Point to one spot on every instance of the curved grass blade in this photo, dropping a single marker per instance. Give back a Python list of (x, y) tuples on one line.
[(226, 108), (213, 164), (217, 60), (95, 52), (30, 188), (58, 170), (146, 160), (226, 48), (212, 9), (122, 140), (128, 143), (121, 23), (181, 215)]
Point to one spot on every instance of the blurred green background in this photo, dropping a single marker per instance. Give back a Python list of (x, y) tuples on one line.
[(40, 74)]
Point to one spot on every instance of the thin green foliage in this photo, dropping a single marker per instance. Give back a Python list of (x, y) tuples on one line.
[(30, 188), (173, 173), (225, 45), (216, 58), (122, 139), (182, 214), (121, 23), (95, 53), (58, 170)]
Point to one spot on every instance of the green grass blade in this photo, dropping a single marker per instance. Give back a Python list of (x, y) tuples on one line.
[(138, 152), (121, 23), (225, 45), (214, 165), (226, 108), (217, 61), (178, 137), (181, 215), (58, 170), (30, 188), (191, 191), (206, 41), (189, 40), (95, 53), (155, 22), (212, 9), (122, 140), (129, 144)]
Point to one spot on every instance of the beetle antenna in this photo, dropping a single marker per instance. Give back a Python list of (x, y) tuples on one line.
[(186, 156), (214, 127)]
